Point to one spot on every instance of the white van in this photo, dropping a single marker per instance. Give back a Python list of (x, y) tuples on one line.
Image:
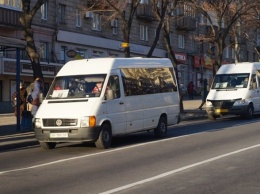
[(235, 91), (136, 94)]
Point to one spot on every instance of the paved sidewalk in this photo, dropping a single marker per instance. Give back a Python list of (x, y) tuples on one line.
[(10, 138)]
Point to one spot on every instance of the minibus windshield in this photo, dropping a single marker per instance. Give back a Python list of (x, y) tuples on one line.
[(76, 86), (231, 81)]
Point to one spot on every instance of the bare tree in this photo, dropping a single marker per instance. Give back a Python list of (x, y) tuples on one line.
[(160, 8), (163, 13), (26, 19), (116, 8), (222, 16), (249, 29)]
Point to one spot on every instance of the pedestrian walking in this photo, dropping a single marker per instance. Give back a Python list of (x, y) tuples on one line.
[(36, 95), (29, 90), (23, 95), (190, 89), (204, 92)]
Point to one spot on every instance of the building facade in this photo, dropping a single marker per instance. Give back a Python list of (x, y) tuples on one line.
[(65, 27)]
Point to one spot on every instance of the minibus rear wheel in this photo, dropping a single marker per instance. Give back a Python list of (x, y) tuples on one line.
[(161, 130), (105, 137), (48, 145)]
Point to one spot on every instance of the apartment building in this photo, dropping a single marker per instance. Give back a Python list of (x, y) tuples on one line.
[(65, 28)]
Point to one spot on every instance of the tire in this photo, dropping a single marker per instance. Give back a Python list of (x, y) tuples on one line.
[(161, 130), (105, 137), (48, 145), (250, 112), (212, 117)]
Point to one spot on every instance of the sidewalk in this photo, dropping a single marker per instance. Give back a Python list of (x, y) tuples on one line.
[(10, 138)]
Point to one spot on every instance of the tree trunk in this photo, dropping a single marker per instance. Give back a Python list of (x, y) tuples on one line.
[(26, 21)]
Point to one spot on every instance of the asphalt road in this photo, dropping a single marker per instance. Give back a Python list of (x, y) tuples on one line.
[(197, 157)]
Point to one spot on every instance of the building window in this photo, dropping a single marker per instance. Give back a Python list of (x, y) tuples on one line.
[(202, 19), (171, 39), (62, 54), (96, 54), (258, 37), (144, 1), (44, 11), (78, 18), (114, 24), (16, 4), (43, 51), (144, 33), (193, 45), (227, 52), (62, 9), (181, 41), (82, 53), (233, 53), (96, 22)]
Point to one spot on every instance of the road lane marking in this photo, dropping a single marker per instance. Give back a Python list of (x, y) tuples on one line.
[(177, 170), (96, 154)]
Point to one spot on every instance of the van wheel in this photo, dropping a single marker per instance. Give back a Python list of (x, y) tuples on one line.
[(250, 112), (161, 130), (48, 145), (105, 137), (212, 117)]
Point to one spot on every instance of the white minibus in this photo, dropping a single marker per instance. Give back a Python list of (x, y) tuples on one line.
[(93, 100), (235, 91)]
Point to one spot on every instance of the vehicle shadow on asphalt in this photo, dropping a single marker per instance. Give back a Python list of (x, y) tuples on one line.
[(183, 129)]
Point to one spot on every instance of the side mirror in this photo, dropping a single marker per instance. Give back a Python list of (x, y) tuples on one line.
[(109, 94)]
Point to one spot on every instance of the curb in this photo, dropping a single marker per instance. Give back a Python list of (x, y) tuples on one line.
[(17, 140), (18, 145)]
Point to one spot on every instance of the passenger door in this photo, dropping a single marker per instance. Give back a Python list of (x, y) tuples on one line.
[(258, 90), (116, 106), (255, 88)]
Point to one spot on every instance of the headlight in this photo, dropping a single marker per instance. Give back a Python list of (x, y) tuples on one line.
[(37, 123), (208, 103), (88, 121), (238, 102)]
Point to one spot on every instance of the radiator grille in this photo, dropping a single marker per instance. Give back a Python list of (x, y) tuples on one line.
[(223, 104), (56, 122)]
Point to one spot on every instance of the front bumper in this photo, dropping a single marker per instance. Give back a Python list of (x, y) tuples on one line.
[(234, 110), (83, 134)]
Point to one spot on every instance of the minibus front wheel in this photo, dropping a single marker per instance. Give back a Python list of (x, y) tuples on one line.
[(105, 137), (212, 117), (48, 145), (250, 111)]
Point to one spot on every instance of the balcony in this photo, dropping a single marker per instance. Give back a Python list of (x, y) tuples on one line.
[(9, 17), (145, 12), (185, 23)]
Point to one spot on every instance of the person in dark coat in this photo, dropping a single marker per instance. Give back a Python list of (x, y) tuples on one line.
[(23, 95), (204, 92), (190, 89)]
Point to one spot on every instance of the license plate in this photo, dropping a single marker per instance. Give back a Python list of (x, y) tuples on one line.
[(221, 110), (59, 135)]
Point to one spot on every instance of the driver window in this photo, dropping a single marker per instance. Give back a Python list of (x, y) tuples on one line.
[(253, 84), (258, 77), (113, 83)]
